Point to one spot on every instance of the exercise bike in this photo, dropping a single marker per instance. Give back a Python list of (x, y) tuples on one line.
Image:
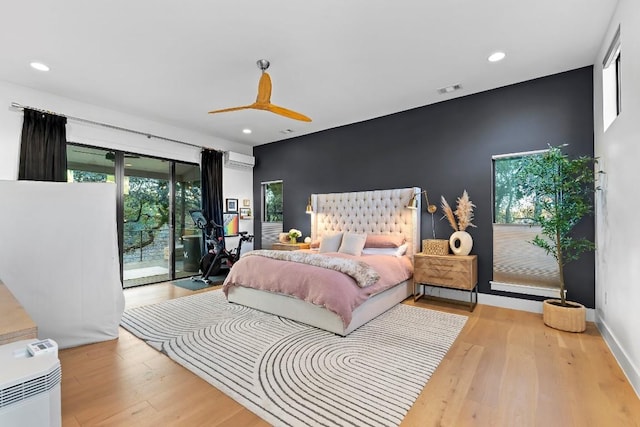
[(217, 254)]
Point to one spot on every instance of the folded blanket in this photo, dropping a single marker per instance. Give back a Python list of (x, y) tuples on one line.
[(361, 272)]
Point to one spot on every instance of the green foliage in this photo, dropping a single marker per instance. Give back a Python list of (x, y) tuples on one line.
[(146, 209), (273, 202), (146, 205), (511, 205), (562, 189), (84, 176)]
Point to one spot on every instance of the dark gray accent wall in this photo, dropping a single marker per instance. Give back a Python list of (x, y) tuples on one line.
[(444, 148)]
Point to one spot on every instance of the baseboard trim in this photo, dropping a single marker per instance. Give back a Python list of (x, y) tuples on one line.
[(495, 300), (526, 289), (630, 371)]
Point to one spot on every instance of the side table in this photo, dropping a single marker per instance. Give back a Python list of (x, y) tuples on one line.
[(290, 246), (447, 271)]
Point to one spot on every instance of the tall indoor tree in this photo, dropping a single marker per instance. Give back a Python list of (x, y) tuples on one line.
[(563, 190)]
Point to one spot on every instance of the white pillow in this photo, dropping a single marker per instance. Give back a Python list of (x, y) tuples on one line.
[(331, 243), (397, 252), (352, 243)]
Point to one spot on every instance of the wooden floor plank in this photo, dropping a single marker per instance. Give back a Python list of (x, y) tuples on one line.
[(505, 369)]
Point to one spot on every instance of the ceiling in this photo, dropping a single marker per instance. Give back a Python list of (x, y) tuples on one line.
[(336, 61)]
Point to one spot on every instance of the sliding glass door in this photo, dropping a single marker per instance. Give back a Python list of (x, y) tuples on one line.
[(146, 221), (187, 238), (154, 200)]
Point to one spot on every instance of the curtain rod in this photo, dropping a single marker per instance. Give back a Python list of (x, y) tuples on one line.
[(106, 125)]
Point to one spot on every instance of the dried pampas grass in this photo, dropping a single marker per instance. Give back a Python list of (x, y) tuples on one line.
[(448, 213), (464, 212)]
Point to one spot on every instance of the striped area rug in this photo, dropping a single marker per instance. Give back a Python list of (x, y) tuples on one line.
[(291, 374)]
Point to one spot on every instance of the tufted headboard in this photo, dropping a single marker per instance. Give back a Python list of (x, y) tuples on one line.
[(377, 211)]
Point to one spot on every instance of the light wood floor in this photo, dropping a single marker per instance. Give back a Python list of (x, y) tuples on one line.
[(505, 369)]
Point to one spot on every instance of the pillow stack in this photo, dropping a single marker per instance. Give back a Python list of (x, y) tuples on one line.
[(363, 244)]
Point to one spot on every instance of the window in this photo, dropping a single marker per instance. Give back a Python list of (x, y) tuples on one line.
[(272, 201), (611, 82), (510, 205), (518, 266)]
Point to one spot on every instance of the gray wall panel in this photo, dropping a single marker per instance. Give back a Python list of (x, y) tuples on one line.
[(444, 148)]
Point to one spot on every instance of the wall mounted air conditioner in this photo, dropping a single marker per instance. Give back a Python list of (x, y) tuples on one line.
[(30, 385), (239, 161)]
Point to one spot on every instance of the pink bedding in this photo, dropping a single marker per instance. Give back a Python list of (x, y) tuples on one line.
[(331, 289)]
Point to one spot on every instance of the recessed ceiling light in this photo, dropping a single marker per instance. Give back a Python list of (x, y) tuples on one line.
[(39, 66), (286, 131), (496, 56), (247, 131)]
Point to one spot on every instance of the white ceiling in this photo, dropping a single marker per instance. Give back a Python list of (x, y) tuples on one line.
[(336, 61)]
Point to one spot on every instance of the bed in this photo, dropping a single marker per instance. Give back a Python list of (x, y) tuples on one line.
[(378, 212)]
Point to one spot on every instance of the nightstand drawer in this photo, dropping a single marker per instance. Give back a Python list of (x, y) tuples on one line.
[(459, 272)]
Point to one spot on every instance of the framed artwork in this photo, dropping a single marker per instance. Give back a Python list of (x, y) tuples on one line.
[(246, 203), (232, 205), (245, 213), (231, 223)]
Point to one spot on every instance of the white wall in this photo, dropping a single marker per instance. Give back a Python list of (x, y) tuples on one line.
[(618, 204), (237, 184), (63, 269)]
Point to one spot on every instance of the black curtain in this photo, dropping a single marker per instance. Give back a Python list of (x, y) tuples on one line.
[(43, 147), (211, 179)]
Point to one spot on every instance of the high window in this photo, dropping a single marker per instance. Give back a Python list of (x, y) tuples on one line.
[(611, 82)]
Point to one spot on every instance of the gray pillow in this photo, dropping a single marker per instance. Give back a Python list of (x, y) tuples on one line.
[(331, 243)]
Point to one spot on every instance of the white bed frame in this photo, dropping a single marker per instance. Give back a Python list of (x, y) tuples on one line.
[(379, 211)]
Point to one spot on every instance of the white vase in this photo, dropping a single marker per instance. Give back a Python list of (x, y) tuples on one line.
[(461, 243)]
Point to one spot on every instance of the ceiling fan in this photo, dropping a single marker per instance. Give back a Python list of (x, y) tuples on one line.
[(263, 100)]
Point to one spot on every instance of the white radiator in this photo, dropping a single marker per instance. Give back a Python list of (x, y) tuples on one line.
[(29, 386)]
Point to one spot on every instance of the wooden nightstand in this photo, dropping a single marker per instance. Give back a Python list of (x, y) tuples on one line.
[(447, 271), (290, 246)]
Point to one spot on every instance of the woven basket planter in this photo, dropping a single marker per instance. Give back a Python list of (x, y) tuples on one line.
[(435, 247), (568, 319)]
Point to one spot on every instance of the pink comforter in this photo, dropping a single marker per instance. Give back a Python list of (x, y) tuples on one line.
[(331, 289)]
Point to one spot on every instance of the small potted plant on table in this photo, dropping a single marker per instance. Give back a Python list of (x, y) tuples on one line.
[(563, 190), (294, 235)]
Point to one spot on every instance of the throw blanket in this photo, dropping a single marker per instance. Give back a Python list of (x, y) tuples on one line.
[(361, 272)]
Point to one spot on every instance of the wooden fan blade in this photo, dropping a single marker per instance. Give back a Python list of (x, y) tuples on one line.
[(263, 102), (264, 89), (287, 113), (224, 110)]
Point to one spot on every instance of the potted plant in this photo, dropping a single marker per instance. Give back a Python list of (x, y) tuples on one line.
[(460, 241), (294, 234), (562, 189)]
